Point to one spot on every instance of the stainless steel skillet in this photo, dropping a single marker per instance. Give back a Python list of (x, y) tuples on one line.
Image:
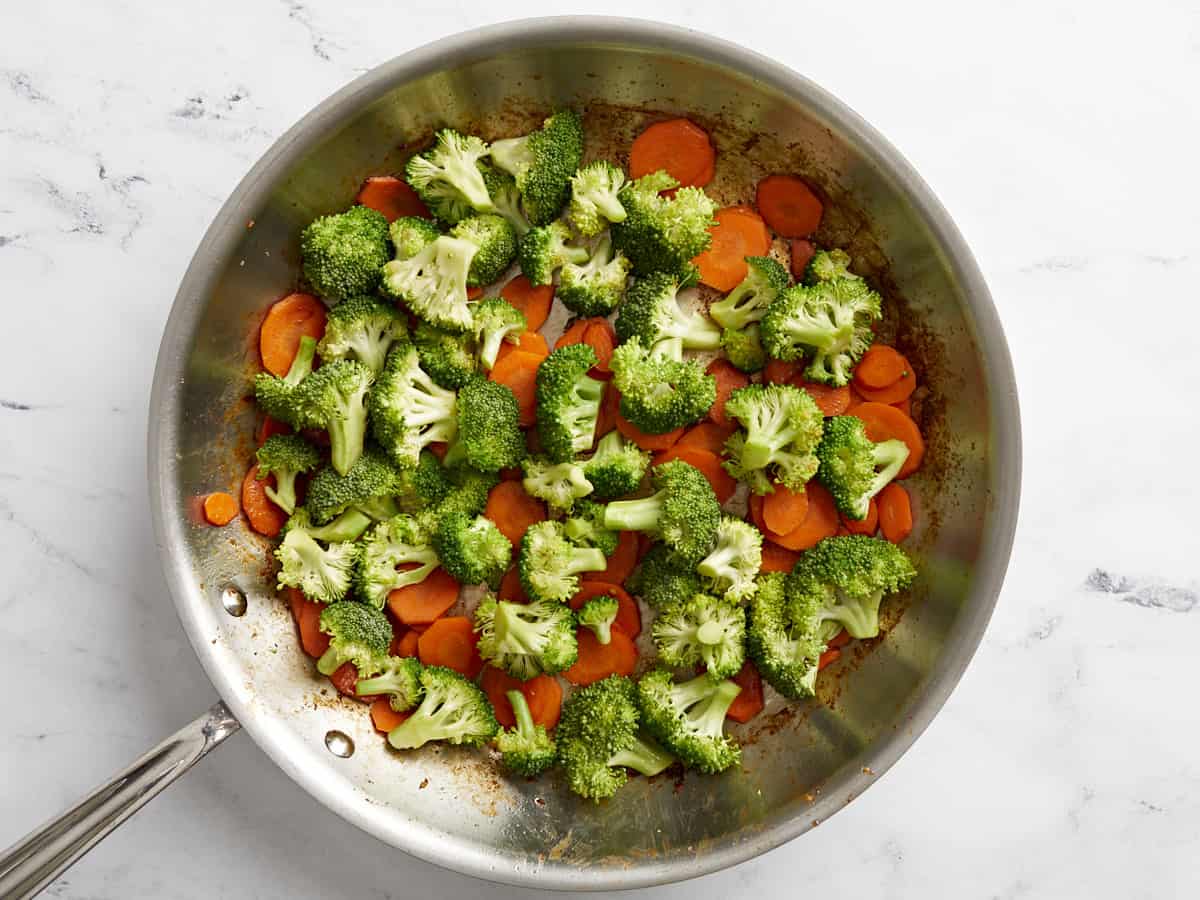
[(802, 763)]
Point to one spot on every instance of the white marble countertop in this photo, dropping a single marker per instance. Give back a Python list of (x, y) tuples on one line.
[(1063, 140)]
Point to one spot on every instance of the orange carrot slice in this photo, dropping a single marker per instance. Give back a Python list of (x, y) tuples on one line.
[(651, 442), (802, 253), (867, 526), (425, 601), (220, 508), (776, 558), (895, 513), (511, 588), (707, 436), (749, 701), (678, 146), (512, 510), (783, 510), (739, 232), (288, 320), (789, 206), (269, 428), (609, 405), (709, 464), (597, 661), (384, 718), (832, 401), (629, 617), (518, 372), (779, 372), (308, 622), (264, 516), (450, 642), (879, 367), (391, 196), (621, 563), (884, 423), (534, 302), (729, 379), (543, 693)]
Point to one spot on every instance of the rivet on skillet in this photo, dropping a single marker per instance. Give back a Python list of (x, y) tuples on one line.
[(234, 601), (339, 743)]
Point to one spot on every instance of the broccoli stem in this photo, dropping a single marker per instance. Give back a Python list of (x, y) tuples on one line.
[(706, 706), (283, 494), (387, 683), (346, 435), (349, 526), (766, 433), (511, 627), (331, 660), (710, 633), (520, 708), (585, 559), (860, 617), (634, 515), (889, 457), (302, 364), (608, 205), (490, 348), (512, 154), (603, 632), (379, 508), (642, 756)]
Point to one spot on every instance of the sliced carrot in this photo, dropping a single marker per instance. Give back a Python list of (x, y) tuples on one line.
[(474, 293), (885, 422), (749, 701), (543, 693), (265, 517), (645, 542), (425, 601), (621, 563), (895, 513), (529, 342), (777, 371), (739, 232), (789, 206), (308, 622), (841, 639), (391, 196), (271, 427), (288, 320), (511, 588), (784, 510), (409, 644), (512, 510), (867, 526), (651, 442), (776, 558), (518, 372), (896, 392), (802, 253), (609, 406), (827, 657), (709, 464), (707, 436), (880, 366), (596, 660), (820, 522), (220, 508), (345, 679), (533, 301), (754, 504), (629, 617), (680, 147), (450, 642), (384, 718), (905, 406), (729, 379), (572, 335), (832, 401)]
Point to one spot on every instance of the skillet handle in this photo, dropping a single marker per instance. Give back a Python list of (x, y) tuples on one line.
[(37, 859)]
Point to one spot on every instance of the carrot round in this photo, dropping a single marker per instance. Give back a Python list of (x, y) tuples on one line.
[(776, 558), (832, 401), (841, 639), (885, 422), (749, 701), (265, 517), (609, 406), (220, 508), (597, 661), (425, 601), (511, 588), (820, 522), (512, 510), (384, 718), (269, 428), (543, 693), (651, 442), (895, 513), (528, 342), (738, 233), (572, 335), (709, 464), (707, 436), (784, 510), (534, 302), (518, 372), (729, 378), (345, 678), (802, 253), (867, 526), (896, 392), (450, 642), (828, 657), (905, 406), (777, 371), (308, 622), (621, 563), (880, 366), (391, 196), (409, 644), (288, 320), (680, 147), (629, 617), (789, 206)]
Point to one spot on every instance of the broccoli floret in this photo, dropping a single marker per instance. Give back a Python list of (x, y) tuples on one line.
[(449, 358), (422, 486), (702, 629), (848, 576), (544, 250), (688, 718), (594, 200), (276, 396), (335, 398), (542, 163), (549, 564), (447, 176), (322, 574), (729, 569), (781, 427), (828, 265), (585, 527), (399, 541), (285, 456), (467, 495), (853, 467), (747, 303), (598, 739), (683, 512), (568, 401), (663, 579), (744, 348), (362, 328), (597, 615), (651, 312), (358, 634), (411, 233), (453, 710), (472, 549), (662, 234), (596, 287), (496, 241), (494, 321), (527, 749), (831, 320), (489, 429), (659, 392), (616, 468), (526, 639), (343, 253), (433, 282), (408, 411), (502, 188), (559, 484), (399, 677), (368, 487), (786, 640)]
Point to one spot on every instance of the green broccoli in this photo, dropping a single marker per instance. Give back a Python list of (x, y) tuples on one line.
[(559, 484), (683, 512), (348, 526), (433, 282), (544, 250), (549, 564), (467, 495), (831, 320), (585, 527), (651, 312), (786, 640), (730, 567), (662, 234), (526, 639), (542, 163), (334, 398), (688, 718), (853, 467), (358, 633), (663, 579), (598, 739), (494, 321), (276, 396), (594, 201), (489, 430), (597, 615), (496, 241), (422, 486), (568, 401), (527, 749), (399, 677), (410, 234), (362, 328), (449, 358), (453, 709), (369, 487), (399, 541), (702, 629), (594, 288), (408, 411), (616, 468), (744, 348), (324, 575), (781, 427), (502, 188), (472, 549), (848, 576), (659, 392), (747, 303), (447, 176), (343, 253), (828, 265), (285, 456)]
